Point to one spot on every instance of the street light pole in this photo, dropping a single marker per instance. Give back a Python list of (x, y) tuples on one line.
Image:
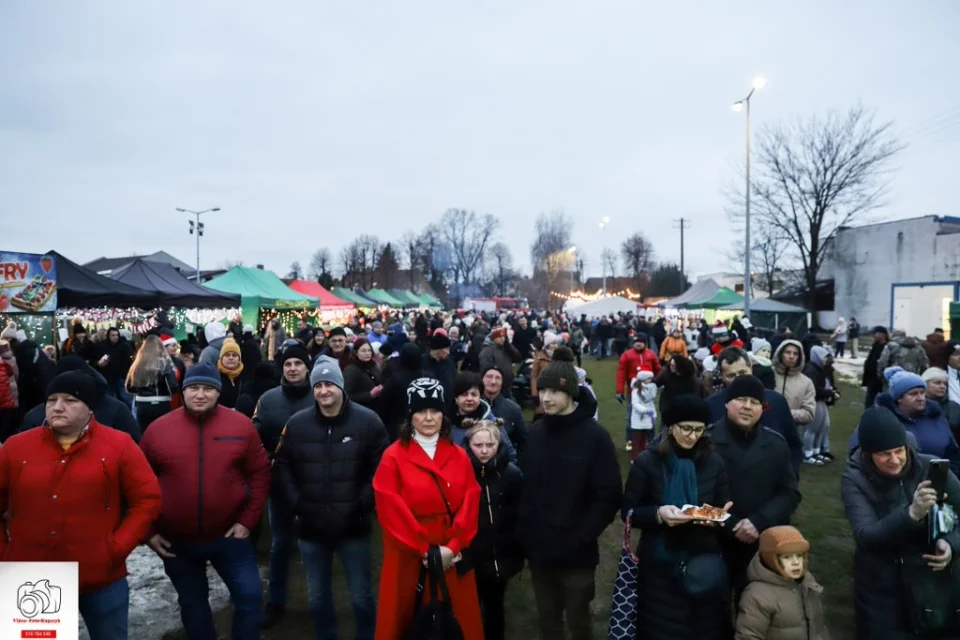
[(758, 83), (573, 266), (198, 229), (603, 256)]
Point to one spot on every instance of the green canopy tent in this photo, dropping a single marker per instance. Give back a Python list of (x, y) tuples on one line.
[(774, 315), (721, 298), (430, 301), (408, 299), (260, 289), (382, 297), (351, 296)]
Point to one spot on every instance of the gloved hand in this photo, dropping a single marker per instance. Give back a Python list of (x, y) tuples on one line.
[(620, 398)]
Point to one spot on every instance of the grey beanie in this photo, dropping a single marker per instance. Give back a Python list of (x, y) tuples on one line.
[(326, 369)]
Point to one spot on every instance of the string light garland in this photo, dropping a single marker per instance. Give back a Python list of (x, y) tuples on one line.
[(590, 297), (37, 326)]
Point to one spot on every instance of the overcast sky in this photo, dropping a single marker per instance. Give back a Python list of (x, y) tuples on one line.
[(311, 122)]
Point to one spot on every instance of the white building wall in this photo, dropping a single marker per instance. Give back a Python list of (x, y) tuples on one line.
[(866, 261)]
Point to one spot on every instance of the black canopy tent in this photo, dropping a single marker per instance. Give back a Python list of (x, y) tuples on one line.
[(79, 287), (174, 289)]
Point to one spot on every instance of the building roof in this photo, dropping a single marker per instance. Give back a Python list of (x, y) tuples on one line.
[(105, 266), (934, 217), (174, 288)]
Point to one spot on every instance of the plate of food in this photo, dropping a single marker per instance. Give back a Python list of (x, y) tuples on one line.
[(705, 512), (35, 294)]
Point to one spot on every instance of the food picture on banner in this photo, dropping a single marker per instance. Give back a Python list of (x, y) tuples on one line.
[(28, 283)]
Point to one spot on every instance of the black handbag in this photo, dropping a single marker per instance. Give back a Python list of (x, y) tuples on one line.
[(930, 598), (435, 621), (703, 575)]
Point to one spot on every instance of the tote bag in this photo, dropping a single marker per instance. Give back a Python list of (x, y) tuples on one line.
[(435, 621), (623, 610)]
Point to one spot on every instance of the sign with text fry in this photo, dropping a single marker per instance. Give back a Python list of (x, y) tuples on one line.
[(39, 600), (28, 283)]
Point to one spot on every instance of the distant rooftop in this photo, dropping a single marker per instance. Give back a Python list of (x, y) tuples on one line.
[(106, 266)]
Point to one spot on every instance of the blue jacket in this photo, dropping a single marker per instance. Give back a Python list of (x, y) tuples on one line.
[(930, 429), (776, 416), (373, 337)]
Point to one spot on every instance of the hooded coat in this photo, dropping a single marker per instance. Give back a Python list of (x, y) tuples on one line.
[(930, 428), (497, 552), (215, 333), (877, 509), (795, 387), (906, 353), (483, 412), (773, 607), (393, 399)]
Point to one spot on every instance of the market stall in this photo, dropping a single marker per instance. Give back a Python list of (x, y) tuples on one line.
[(771, 315), (429, 301), (382, 298), (602, 307), (721, 298), (263, 296), (28, 294), (407, 298), (332, 309), (700, 290), (349, 295)]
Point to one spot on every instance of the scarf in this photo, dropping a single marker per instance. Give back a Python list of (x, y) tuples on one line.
[(679, 488), (233, 375)]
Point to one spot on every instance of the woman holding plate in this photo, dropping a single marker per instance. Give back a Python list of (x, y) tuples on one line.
[(683, 587)]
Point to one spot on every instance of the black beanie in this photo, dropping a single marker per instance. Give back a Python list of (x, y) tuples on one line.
[(465, 381), (294, 351), (425, 393), (337, 331), (746, 387), (880, 430), (688, 407), (560, 374), (766, 376), (439, 341), (78, 384)]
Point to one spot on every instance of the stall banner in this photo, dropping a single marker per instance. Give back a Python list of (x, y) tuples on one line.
[(28, 283)]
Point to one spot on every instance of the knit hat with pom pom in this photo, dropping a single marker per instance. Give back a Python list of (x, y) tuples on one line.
[(902, 381)]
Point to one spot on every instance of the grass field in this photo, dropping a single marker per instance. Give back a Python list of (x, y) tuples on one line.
[(820, 518)]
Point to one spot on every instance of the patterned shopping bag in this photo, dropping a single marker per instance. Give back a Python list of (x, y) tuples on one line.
[(623, 610)]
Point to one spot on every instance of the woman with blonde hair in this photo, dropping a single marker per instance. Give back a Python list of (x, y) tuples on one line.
[(152, 381)]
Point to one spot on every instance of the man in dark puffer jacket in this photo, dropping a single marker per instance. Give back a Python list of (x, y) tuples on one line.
[(324, 468), (274, 409), (108, 411)]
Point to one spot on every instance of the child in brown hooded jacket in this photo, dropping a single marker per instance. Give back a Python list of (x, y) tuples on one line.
[(782, 601)]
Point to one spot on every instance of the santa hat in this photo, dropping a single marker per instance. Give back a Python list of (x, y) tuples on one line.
[(167, 339), (719, 329)]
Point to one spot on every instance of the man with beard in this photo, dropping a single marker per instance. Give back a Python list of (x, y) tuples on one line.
[(763, 484), (271, 415), (571, 493)]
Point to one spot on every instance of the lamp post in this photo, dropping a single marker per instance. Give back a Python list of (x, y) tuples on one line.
[(573, 266), (758, 83), (198, 228), (604, 223)]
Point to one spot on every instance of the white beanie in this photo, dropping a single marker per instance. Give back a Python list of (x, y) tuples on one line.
[(702, 354), (935, 373), (214, 331)]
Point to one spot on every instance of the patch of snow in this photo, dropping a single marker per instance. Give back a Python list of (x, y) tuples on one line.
[(153, 600), (850, 370)]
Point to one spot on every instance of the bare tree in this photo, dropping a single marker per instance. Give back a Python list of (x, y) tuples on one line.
[(550, 252), (468, 234), (296, 271), (410, 256), (815, 176), (320, 264), (769, 257), (501, 266), (611, 262), (387, 267), (433, 257), (368, 247), (637, 254)]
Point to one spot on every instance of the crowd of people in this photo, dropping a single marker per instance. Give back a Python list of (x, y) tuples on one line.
[(416, 422)]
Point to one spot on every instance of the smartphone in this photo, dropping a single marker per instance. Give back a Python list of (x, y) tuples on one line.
[(937, 475)]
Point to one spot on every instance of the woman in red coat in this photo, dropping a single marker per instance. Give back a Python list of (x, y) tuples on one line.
[(414, 514)]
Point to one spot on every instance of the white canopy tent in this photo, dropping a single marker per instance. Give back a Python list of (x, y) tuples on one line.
[(601, 306)]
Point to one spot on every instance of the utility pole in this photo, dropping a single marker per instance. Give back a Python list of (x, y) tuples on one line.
[(197, 229), (682, 223)]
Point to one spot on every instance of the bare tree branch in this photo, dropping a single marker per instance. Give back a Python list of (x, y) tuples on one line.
[(637, 254), (468, 234)]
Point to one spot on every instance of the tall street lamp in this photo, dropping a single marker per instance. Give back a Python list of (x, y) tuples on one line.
[(198, 228), (604, 223), (758, 83)]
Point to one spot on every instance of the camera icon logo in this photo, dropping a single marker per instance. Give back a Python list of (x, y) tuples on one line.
[(40, 597)]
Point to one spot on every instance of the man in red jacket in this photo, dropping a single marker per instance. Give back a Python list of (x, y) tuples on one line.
[(63, 486), (634, 360), (215, 478)]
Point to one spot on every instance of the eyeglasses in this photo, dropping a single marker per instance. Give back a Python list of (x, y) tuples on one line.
[(689, 431)]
